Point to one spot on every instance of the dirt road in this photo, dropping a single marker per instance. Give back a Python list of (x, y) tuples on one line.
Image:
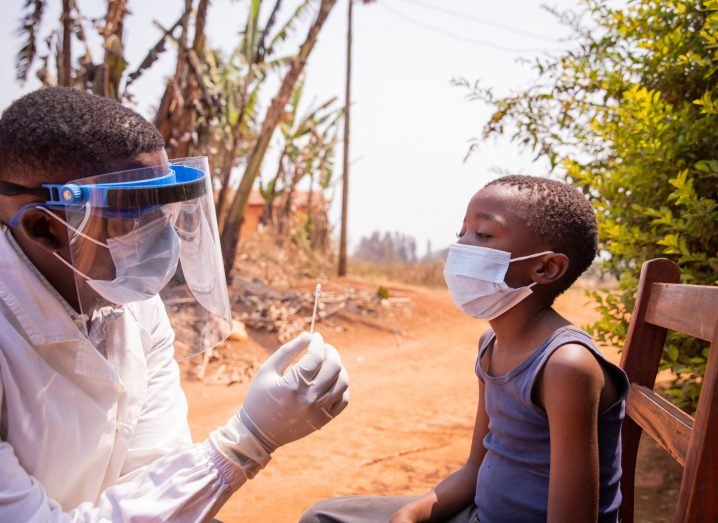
[(409, 422)]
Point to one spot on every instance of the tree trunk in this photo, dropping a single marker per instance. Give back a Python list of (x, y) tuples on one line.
[(65, 76), (275, 113), (114, 62), (173, 103), (227, 164), (310, 195), (188, 128), (200, 22), (286, 218), (342, 268), (268, 212), (229, 159)]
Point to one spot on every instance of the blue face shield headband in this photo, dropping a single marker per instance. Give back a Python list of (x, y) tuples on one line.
[(117, 200), (145, 256), (130, 233)]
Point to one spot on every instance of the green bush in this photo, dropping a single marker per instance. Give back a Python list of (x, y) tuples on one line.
[(630, 115)]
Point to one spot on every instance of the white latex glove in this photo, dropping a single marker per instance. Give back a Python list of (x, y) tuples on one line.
[(282, 407)]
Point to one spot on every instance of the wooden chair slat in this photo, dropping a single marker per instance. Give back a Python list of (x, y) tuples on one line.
[(644, 342), (662, 304), (690, 309), (640, 360), (698, 496), (663, 421)]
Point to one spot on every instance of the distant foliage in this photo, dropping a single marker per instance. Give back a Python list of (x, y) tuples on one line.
[(387, 248), (630, 116)]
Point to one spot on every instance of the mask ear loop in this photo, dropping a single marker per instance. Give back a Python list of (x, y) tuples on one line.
[(85, 218), (72, 267), (531, 256), (76, 231)]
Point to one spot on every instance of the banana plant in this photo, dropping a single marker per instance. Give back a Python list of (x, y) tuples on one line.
[(103, 78), (250, 64), (308, 146), (29, 29), (273, 117)]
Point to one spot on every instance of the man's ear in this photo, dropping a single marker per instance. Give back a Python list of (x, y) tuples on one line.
[(552, 269), (43, 230)]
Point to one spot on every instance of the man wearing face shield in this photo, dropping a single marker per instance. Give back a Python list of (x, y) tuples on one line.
[(93, 422)]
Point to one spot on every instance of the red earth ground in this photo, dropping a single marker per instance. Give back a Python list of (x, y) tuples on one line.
[(409, 422)]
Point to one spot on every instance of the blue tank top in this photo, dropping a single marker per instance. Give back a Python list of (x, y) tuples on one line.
[(512, 483)]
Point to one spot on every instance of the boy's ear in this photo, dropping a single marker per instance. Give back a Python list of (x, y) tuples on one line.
[(552, 269), (42, 230)]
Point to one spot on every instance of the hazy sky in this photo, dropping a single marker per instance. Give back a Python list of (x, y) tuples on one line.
[(410, 127)]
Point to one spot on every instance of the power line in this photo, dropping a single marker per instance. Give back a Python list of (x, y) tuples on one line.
[(459, 38), (482, 21)]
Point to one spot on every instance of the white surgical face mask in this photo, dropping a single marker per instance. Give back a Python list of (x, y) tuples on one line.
[(145, 260), (475, 277)]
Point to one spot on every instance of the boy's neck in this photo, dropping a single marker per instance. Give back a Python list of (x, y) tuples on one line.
[(526, 325)]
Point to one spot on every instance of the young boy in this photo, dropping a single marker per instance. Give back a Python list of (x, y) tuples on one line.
[(546, 443), (93, 421)]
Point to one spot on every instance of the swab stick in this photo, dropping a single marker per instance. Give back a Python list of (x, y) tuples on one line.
[(317, 292)]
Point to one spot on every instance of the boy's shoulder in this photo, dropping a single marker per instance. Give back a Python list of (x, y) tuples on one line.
[(574, 358), (572, 365), (572, 378), (571, 387)]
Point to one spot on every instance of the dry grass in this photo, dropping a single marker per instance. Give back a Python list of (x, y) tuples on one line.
[(430, 274), (280, 263), (427, 274)]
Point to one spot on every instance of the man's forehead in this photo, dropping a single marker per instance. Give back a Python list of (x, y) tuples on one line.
[(67, 174), (148, 159)]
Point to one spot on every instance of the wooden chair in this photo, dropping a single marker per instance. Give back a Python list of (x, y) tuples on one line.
[(663, 304)]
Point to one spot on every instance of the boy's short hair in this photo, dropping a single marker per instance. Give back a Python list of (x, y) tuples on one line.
[(59, 134), (560, 215)]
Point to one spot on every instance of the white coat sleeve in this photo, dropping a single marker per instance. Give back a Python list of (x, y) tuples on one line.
[(176, 481), (188, 485), (162, 426)]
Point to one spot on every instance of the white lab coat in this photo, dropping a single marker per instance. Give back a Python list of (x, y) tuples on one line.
[(84, 437)]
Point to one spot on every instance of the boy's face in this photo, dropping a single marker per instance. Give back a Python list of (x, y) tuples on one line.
[(491, 221)]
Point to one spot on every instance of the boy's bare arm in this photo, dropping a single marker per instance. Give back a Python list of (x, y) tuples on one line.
[(570, 392), (456, 491)]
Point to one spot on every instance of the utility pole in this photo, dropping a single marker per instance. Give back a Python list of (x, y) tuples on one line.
[(345, 170)]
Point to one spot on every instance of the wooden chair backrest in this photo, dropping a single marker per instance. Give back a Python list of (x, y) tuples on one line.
[(661, 305)]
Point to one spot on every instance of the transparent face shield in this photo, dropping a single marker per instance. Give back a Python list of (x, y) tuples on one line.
[(137, 234)]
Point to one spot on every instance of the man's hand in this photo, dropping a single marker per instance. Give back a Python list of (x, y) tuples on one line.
[(285, 406)]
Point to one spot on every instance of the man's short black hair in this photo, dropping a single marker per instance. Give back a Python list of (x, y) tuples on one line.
[(59, 134), (560, 215)]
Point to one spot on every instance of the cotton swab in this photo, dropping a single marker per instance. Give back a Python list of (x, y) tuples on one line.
[(317, 293)]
